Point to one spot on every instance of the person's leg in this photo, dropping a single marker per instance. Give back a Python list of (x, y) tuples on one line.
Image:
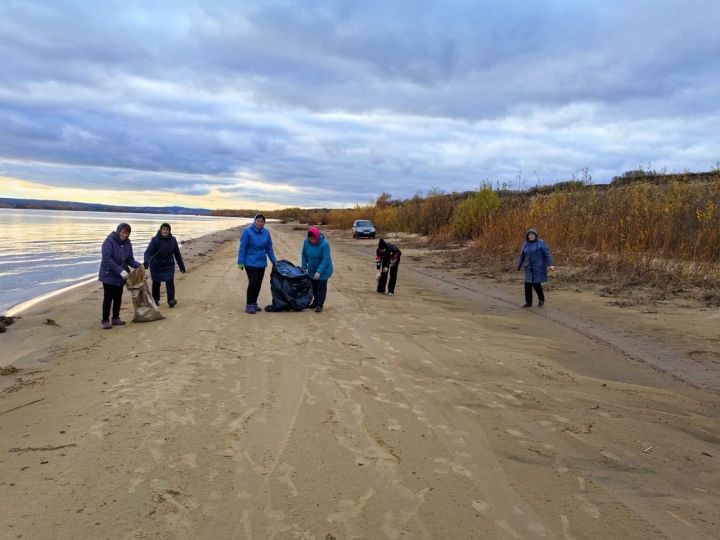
[(393, 278), (255, 277), (314, 283), (381, 282), (156, 291), (117, 300), (107, 301), (321, 292), (540, 294), (170, 288), (528, 294)]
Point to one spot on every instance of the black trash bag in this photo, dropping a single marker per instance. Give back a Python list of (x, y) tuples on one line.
[(290, 287)]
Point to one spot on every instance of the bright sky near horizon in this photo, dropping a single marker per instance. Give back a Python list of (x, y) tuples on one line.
[(264, 104)]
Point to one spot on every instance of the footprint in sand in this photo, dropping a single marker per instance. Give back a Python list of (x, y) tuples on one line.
[(393, 424)]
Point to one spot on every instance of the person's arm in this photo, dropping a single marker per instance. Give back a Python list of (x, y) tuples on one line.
[(325, 258), (131, 262), (107, 259), (269, 250), (178, 257), (149, 252), (242, 250), (548, 256), (304, 257), (522, 259)]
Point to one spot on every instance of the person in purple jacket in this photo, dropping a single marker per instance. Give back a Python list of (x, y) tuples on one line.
[(117, 259)]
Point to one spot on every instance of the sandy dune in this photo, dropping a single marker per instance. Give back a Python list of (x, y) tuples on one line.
[(444, 412)]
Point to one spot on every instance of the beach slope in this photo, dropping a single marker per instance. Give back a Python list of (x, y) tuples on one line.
[(443, 412)]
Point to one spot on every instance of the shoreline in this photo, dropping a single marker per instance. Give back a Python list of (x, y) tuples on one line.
[(16, 310), (35, 316)]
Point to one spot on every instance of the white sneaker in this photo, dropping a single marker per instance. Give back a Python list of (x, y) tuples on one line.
[(391, 294)]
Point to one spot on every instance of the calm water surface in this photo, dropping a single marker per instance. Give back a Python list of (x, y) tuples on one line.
[(45, 250)]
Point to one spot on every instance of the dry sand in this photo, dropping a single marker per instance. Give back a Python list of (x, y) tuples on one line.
[(443, 412)]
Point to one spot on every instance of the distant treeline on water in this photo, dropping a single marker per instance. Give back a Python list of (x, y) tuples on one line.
[(35, 204)]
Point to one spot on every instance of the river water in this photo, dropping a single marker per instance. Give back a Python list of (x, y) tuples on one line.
[(42, 251)]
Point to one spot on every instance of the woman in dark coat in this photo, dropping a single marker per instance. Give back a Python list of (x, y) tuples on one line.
[(535, 258), (117, 259), (387, 260), (160, 256)]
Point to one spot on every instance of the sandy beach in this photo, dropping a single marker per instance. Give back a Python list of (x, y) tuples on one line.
[(444, 412)]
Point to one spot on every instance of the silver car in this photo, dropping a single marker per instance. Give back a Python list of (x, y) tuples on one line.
[(363, 227)]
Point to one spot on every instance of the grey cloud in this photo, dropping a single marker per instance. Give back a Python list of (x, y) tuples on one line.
[(344, 100)]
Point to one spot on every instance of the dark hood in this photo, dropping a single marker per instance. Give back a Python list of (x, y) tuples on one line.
[(159, 232)]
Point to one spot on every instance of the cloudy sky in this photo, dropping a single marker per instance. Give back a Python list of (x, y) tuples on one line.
[(329, 102)]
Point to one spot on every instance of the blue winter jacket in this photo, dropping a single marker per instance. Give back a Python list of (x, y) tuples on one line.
[(255, 247), (317, 258), (116, 257), (535, 257), (161, 254)]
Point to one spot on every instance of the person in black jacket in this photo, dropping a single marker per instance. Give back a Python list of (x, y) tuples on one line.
[(160, 257), (387, 260)]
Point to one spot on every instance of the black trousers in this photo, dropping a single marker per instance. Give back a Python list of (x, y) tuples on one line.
[(319, 291), (112, 296), (255, 276), (169, 287), (528, 292), (384, 279)]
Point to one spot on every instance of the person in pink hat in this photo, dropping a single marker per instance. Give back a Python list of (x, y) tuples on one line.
[(317, 262)]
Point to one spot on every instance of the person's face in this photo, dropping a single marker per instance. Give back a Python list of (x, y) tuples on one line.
[(314, 240), (259, 223), (124, 234), (532, 236), (165, 231)]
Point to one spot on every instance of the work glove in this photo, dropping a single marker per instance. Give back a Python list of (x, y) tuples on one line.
[(124, 275), (241, 266), (377, 276), (551, 267), (385, 269), (316, 276)]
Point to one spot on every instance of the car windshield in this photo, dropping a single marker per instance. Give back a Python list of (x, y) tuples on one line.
[(363, 224)]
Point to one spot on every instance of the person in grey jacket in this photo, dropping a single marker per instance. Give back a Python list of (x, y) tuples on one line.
[(535, 258), (117, 259)]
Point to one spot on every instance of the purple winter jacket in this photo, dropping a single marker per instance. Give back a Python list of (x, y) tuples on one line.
[(116, 257)]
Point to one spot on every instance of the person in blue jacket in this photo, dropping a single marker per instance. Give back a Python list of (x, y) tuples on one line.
[(317, 262), (255, 249), (117, 259), (535, 258), (160, 257)]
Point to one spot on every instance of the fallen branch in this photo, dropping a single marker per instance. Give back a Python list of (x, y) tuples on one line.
[(21, 406), (41, 448)]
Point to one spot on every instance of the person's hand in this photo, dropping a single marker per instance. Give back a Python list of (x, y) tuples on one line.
[(146, 265), (377, 276), (182, 271), (316, 276), (124, 275), (241, 266), (551, 267), (385, 269)]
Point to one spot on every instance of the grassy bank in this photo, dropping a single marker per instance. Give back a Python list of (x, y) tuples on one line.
[(662, 230)]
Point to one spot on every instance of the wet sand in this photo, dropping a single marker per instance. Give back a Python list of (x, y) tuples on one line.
[(443, 412)]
